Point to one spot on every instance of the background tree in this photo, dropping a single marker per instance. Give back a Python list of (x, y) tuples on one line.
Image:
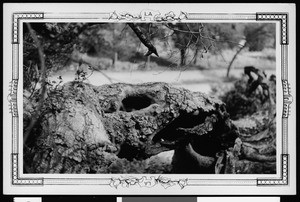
[(256, 38), (119, 42)]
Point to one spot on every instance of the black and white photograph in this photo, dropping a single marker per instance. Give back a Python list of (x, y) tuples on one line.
[(150, 99)]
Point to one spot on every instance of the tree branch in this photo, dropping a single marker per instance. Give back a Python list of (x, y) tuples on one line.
[(200, 34), (37, 112), (136, 29), (234, 57)]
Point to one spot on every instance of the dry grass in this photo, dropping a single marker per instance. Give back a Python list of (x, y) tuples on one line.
[(263, 60)]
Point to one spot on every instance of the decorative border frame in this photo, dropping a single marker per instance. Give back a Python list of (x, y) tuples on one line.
[(150, 16)]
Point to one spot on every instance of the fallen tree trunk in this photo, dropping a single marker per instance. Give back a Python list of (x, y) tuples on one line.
[(125, 128)]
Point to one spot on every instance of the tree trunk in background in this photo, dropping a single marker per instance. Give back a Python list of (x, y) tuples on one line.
[(148, 62), (232, 60), (115, 59), (196, 56), (182, 57), (116, 56)]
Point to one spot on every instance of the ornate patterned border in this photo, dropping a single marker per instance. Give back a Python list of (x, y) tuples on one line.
[(283, 180), (287, 98), (16, 180), (12, 97), (147, 182), (282, 17), (149, 15), (16, 21)]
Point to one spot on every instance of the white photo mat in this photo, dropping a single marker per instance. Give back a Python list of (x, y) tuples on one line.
[(16, 182)]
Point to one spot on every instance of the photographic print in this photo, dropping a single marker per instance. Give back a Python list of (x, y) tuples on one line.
[(144, 99)]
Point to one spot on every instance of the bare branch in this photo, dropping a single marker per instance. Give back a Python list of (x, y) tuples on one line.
[(123, 29), (191, 32), (200, 34), (136, 29)]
